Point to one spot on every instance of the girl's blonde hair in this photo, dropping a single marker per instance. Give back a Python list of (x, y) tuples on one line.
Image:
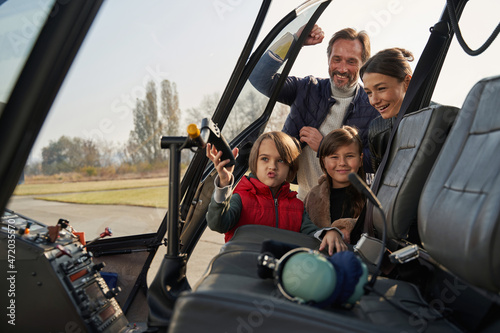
[(288, 147)]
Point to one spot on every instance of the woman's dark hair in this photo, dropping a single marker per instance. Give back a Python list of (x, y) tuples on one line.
[(391, 62), (337, 138), (288, 147)]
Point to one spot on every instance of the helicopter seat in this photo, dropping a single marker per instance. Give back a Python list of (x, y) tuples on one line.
[(415, 147), (459, 211), (459, 228)]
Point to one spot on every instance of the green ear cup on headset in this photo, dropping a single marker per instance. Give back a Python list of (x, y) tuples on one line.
[(308, 277)]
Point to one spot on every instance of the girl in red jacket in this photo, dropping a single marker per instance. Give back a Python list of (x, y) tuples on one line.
[(264, 197)]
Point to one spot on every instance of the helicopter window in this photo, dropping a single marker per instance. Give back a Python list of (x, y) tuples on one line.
[(251, 104), (133, 59), (135, 79), (20, 24)]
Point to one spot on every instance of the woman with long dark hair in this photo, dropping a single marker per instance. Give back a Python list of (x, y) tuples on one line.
[(386, 77)]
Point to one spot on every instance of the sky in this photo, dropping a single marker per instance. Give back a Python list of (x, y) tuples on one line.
[(196, 44)]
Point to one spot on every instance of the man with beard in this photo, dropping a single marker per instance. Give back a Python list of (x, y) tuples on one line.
[(318, 106)]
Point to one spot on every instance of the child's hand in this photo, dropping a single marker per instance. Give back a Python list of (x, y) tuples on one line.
[(224, 173), (333, 240), (345, 225)]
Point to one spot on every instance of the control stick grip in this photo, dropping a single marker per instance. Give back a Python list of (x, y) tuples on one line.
[(221, 144), (210, 133)]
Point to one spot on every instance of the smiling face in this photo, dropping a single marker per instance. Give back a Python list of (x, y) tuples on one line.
[(272, 170), (386, 93), (344, 63), (341, 163)]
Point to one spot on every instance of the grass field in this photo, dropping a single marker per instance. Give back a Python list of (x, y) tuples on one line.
[(151, 192)]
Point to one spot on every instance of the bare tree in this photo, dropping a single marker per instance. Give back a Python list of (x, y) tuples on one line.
[(204, 110), (169, 108), (110, 153), (277, 119), (144, 143), (249, 106)]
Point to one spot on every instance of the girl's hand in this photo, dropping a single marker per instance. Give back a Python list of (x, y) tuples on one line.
[(225, 174), (345, 225), (333, 240)]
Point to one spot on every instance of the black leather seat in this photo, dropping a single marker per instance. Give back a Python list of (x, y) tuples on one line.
[(459, 225), (459, 211), (239, 256), (415, 147), (232, 298)]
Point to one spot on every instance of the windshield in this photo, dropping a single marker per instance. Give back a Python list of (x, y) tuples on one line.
[(406, 24), (136, 78), (389, 24), (97, 157), (20, 25), (251, 103)]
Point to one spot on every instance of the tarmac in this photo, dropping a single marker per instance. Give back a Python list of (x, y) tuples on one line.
[(123, 221)]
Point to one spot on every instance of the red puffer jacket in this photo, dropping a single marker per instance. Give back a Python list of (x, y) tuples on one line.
[(260, 207)]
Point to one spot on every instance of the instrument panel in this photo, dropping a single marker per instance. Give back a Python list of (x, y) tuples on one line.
[(52, 282)]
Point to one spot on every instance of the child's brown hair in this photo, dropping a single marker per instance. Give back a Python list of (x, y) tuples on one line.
[(288, 147), (344, 136)]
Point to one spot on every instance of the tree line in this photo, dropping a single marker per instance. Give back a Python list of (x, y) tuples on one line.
[(157, 114)]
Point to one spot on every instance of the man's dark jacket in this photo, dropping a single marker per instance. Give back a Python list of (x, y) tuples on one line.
[(310, 99)]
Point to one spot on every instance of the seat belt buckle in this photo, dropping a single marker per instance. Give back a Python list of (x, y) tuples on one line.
[(405, 254), (369, 248)]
